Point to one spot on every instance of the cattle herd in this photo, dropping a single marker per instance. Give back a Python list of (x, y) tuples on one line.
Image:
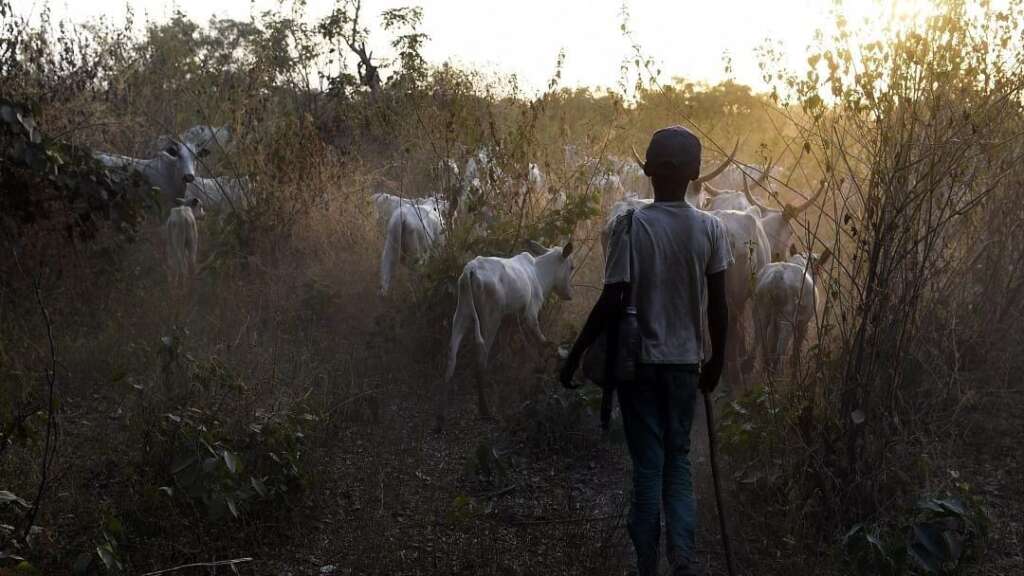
[(771, 281)]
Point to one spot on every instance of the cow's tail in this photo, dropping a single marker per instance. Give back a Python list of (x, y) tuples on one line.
[(472, 286)]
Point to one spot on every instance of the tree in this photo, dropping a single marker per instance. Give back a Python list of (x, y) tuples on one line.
[(343, 24)]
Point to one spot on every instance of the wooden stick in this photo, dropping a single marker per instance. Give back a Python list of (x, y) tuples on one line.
[(607, 402), (200, 565), (718, 485)]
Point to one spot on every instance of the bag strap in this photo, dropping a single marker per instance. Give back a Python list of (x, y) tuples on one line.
[(631, 296)]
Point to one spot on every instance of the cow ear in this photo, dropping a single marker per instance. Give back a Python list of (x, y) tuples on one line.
[(167, 145), (567, 250), (821, 261), (180, 201), (792, 250), (535, 248)]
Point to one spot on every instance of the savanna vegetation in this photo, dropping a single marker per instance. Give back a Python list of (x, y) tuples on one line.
[(274, 416)]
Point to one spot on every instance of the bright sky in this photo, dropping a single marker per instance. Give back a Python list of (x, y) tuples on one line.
[(686, 38)]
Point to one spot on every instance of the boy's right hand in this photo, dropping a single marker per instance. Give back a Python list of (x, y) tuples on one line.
[(710, 376)]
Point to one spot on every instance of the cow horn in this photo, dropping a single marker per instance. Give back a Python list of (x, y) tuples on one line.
[(750, 197), (721, 167), (795, 210), (712, 191), (637, 158), (820, 262)]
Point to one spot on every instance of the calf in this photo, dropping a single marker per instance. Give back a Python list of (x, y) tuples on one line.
[(785, 301), (412, 233), (183, 241), (491, 289)]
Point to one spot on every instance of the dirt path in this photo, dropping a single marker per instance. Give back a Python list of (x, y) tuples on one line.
[(542, 491)]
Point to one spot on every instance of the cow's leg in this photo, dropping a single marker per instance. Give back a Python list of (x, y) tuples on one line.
[(733, 369), (392, 253), (489, 324), (460, 322), (761, 320), (533, 325), (746, 354)]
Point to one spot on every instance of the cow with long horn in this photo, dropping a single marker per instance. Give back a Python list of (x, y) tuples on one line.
[(723, 199), (777, 223)]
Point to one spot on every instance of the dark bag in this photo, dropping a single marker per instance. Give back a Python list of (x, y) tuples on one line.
[(607, 370)]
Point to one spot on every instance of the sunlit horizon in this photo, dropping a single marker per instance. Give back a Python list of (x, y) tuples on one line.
[(706, 42)]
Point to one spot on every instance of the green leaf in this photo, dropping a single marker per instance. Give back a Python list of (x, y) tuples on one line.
[(259, 487), (9, 498), (231, 506), (108, 558), (24, 567), (927, 547), (953, 505), (114, 527), (232, 462)]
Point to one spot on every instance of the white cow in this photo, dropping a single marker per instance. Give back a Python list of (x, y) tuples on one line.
[(183, 241), (778, 223), (174, 166), (448, 178), (386, 204), (482, 175), (785, 301), (635, 183), (732, 199), (491, 289), (225, 193), (413, 232), (750, 250)]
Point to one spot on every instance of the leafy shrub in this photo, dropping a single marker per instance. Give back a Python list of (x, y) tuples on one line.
[(223, 480), (47, 180), (943, 534)]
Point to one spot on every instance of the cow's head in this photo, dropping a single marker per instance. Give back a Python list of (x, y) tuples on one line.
[(186, 151), (777, 223), (811, 262), (556, 265), (194, 203), (181, 156)]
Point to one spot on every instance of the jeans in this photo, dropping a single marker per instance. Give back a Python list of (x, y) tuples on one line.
[(657, 411)]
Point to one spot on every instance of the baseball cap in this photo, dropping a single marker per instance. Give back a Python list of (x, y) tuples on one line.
[(672, 149)]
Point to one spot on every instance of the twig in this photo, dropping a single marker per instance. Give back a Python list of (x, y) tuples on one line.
[(49, 448), (200, 565), (566, 520), (712, 451), (498, 493)]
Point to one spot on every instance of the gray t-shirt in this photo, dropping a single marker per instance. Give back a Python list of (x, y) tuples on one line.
[(675, 247)]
